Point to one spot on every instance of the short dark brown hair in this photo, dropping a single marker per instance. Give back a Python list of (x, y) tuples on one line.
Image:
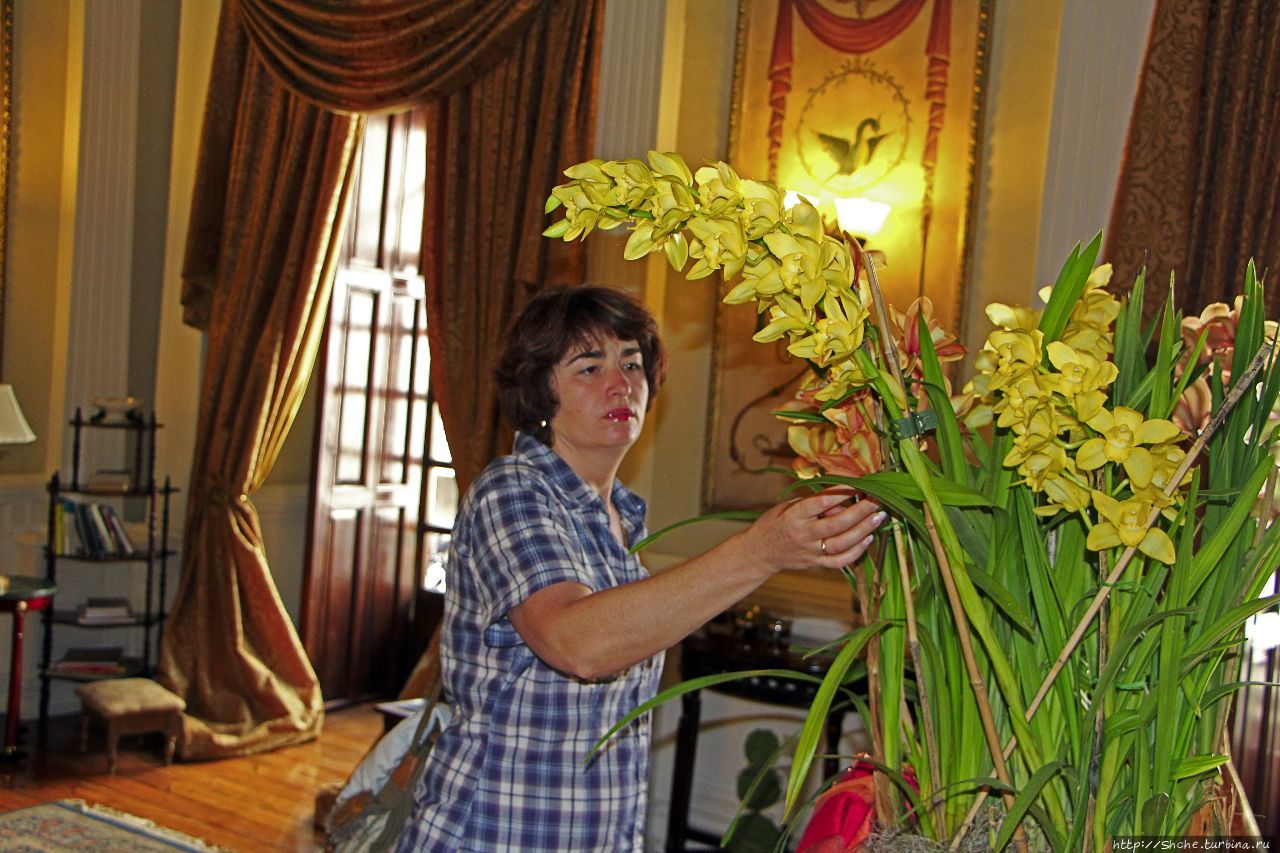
[(544, 331)]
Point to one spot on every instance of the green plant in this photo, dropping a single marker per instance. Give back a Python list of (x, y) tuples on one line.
[(760, 786), (1069, 571)]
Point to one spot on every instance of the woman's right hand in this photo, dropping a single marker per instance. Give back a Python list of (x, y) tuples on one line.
[(828, 530)]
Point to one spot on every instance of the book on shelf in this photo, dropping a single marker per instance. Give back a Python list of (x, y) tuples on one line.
[(91, 529), (105, 611), (110, 480), (121, 542), (90, 660)]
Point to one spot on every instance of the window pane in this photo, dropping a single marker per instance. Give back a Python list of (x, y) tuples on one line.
[(354, 400), (433, 577), (442, 497), (439, 444)]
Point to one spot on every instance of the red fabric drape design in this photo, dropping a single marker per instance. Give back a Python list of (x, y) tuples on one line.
[(863, 35), (274, 171), (859, 35)]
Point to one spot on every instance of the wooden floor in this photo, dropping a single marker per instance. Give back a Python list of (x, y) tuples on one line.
[(262, 802)]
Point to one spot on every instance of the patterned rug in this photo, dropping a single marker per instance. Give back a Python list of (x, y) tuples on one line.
[(73, 825)]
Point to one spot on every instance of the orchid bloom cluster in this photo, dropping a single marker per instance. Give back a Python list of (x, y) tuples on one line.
[(1053, 399), (797, 275), (847, 442)]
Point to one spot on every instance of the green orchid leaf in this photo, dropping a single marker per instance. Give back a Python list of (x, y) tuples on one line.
[(1068, 289), (1021, 803), (691, 685), (950, 444), (1226, 623), (559, 229), (1001, 597), (815, 722), (1198, 765), (727, 515), (1211, 550), (1162, 399), (901, 483)]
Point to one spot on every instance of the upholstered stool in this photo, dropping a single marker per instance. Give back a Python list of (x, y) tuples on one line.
[(130, 706)]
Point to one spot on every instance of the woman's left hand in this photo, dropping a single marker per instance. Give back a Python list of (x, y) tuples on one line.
[(826, 530)]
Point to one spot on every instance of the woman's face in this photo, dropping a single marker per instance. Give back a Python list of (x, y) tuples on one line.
[(603, 395)]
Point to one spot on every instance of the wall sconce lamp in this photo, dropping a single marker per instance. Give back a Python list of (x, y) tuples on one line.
[(861, 217), (14, 428), (853, 218)]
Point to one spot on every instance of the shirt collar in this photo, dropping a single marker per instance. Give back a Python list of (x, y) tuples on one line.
[(572, 487)]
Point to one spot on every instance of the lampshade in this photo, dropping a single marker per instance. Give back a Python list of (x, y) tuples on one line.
[(792, 198), (13, 426), (861, 216)]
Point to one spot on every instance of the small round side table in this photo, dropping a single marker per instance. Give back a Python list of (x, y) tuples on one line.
[(18, 594)]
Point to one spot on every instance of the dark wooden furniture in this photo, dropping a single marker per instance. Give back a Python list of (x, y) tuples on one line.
[(709, 652), (151, 553), (19, 594)]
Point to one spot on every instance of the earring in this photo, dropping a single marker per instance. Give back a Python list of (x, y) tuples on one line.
[(542, 424)]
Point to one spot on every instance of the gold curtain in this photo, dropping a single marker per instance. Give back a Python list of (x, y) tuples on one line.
[(274, 171), (495, 150), (1199, 193)]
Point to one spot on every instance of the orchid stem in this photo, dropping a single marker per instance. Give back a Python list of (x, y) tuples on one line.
[(944, 565)]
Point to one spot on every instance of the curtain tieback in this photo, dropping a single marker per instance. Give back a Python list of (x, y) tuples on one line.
[(217, 492)]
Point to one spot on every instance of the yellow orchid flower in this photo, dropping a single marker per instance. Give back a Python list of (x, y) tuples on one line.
[(1081, 378), (1125, 523), (844, 376), (1086, 338), (1031, 435), (1064, 493), (1045, 462), (1016, 351), (803, 220), (590, 170), (760, 278), (1124, 431), (786, 316), (1166, 458), (1099, 278), (835, 335), (1026, 396), (581, 212), (762, 208), (671, 165), (632, 181), (719, 244), (718, 189), (1012, 317), (800, 267), (671, 205)]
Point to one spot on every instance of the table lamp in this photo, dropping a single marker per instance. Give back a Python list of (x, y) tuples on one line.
[(14, 428)]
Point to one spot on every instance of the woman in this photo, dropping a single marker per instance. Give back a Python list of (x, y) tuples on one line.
[(552, 631)]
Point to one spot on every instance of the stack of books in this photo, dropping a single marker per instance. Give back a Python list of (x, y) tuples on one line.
[(93, 662), (90, 529), (106, 611)]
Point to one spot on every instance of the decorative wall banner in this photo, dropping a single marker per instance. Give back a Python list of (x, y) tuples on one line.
[(876, 100)]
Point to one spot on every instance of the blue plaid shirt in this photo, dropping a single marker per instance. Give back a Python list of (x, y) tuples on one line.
[(508, 773)]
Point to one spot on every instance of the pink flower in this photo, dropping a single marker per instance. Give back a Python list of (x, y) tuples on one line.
[(906, 336), (846, 444), (1194, 408)]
